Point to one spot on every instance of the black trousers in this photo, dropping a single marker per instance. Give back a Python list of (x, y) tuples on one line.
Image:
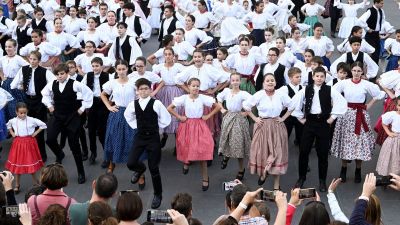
[(38, 110), (292, 122), (82, 136), (69, 124), (149, 142), (374, 40), (335, 16), (319, 130), (97, 124), (297, 12)]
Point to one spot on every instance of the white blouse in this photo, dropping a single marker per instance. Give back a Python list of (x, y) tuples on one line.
[(264, 47), (96, 37), (120, 94), (259, 20), (208, 75), (319, 46), (357, 93), (83, 61), (267, 106), (5, 97), (150, 76), (391, 80), (62, 39), (195, 34), (74, 26), (349, 10), (302, 27), (233, 102), (168, 74), (393, 45), (312, 10), (25, 127), (203, 19), (11, 66), (392, 118), (295, 45), (243, 65), (287, 58), (345, 47), (183, 49), (193, 107)]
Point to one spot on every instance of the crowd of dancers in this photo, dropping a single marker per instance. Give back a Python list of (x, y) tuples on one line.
[(233, 77)]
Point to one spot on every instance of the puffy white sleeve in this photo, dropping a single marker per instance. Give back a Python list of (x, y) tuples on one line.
[(39, 123), (222, 95), (130, 115), (375, 91), (297, 104), (207, 100), (387, 118), (164, 117), (179, 101)]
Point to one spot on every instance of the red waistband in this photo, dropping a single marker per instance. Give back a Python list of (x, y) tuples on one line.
[(360, 118)]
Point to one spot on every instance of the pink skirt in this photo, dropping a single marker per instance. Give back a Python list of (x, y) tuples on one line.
[(166, 95), (24, 156), (381, 135), (389, 157), (194, 141)]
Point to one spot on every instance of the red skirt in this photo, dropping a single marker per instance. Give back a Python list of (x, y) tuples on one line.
[(194, 141), (381, 136), (24, 156)]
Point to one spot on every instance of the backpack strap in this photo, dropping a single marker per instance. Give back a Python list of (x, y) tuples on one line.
[(36, 206)]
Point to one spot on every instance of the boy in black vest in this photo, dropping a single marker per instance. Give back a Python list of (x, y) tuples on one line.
[(372, 21), (61, 98), (32, 79), (168, 24), (291, 89), (136, 24), (322, 106), (356, 55), (98, 113), (273, 67), (22, 33), (148, 116), (39, 22)]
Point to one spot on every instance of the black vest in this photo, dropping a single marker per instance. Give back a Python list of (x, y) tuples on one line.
[(310, 80), (125, 47), (372, 21), (39, 78), (102, 79), (23, 38), (79, 78), (334, 81), (279, 75), (40, 26), (324, 100), (66, 102), (349, 58), (98, 20), (147, 119), (291, 91), (136, 25), (119, 14), (170, 30)]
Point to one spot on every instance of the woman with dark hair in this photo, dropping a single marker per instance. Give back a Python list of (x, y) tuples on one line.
[(315, 213), (129, 208), (183, 49), (197, 37), (54, 215), (305, 66), (100, 213), (358, 32), (158, 56)]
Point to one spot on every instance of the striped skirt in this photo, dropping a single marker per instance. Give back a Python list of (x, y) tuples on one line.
[(269, 148), (166, 95), (18, 95), (119, 137), (389, 157), (235, 136)]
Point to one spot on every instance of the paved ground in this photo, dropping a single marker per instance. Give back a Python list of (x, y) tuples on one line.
[(207, 206)]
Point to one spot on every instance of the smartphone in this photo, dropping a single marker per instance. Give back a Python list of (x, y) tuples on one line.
[(307, 193), (228, 186), (10, 211), (123, 192), (158, 216), (383, 181), (266, 195)]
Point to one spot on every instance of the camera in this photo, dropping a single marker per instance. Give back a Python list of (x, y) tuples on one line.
[(228, 186), (10, 211), (307, 193), (158, 216), (383, 181), (266, 195)]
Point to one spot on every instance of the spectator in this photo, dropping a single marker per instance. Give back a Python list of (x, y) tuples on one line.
[(35, 190), (315, 214), (55, 214), (7, 197), (100, 213), (129, 207), (104, 188), (333, 203), (182, 202), (53, 178)]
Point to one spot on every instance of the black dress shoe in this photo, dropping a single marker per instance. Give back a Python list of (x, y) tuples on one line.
[(205, 187), (322, 186), (209, 163), (156, 201), (299, 183), (60, 157), (85, 157), (343, 172), (357, 177), (92, 159), (136, 176), (105, 164), (81, 178), (185, 170), (142, 185), (261, 181), (164, 140)]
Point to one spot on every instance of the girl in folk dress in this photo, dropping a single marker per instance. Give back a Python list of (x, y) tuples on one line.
[(311, 11), (170, 90), (244, 63), (154, 18), (219, 62), (353, 138), (350, 16), (10, 65), (183, 49), (292, 24), (269, 147), (295, 43), (389, 157), (116, 95), (235, 136), (358, 32), (286, 7), (101, 41), (24, 156), (269, 41), (194, 141)]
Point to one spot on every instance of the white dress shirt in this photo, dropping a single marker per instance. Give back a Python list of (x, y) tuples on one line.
[(25, 127), (19, 79)]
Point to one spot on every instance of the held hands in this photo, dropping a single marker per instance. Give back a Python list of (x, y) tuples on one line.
[(25, 214), (369, 185), (335, 182), (244, 114), (113, 108), (223, 111), (330, 120), (51, 109), (80, 112)]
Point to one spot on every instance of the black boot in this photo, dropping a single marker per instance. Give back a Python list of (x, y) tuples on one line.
[(357, 176), (343, 174)]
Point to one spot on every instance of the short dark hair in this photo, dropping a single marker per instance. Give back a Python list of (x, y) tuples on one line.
[(60, 68), (130, 6), (170, 7), (293, 70), (106, 185), (319, 69), (314, 214), (129, 206), (318, 60), (122, 24), (99, 211), (237, 195), (38, 32), (355, 39), (141, 82), (309, 50), (397, 31), (97, 60), (378, 1), (182, 202), (35, 190), (343, 66), (38, 9), (141, 58), (37, 54), (20, 105), (275, 49), (318, 24), (54, 177), (103, 4)]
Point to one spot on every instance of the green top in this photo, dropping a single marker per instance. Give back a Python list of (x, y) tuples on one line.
[(78, 213)]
